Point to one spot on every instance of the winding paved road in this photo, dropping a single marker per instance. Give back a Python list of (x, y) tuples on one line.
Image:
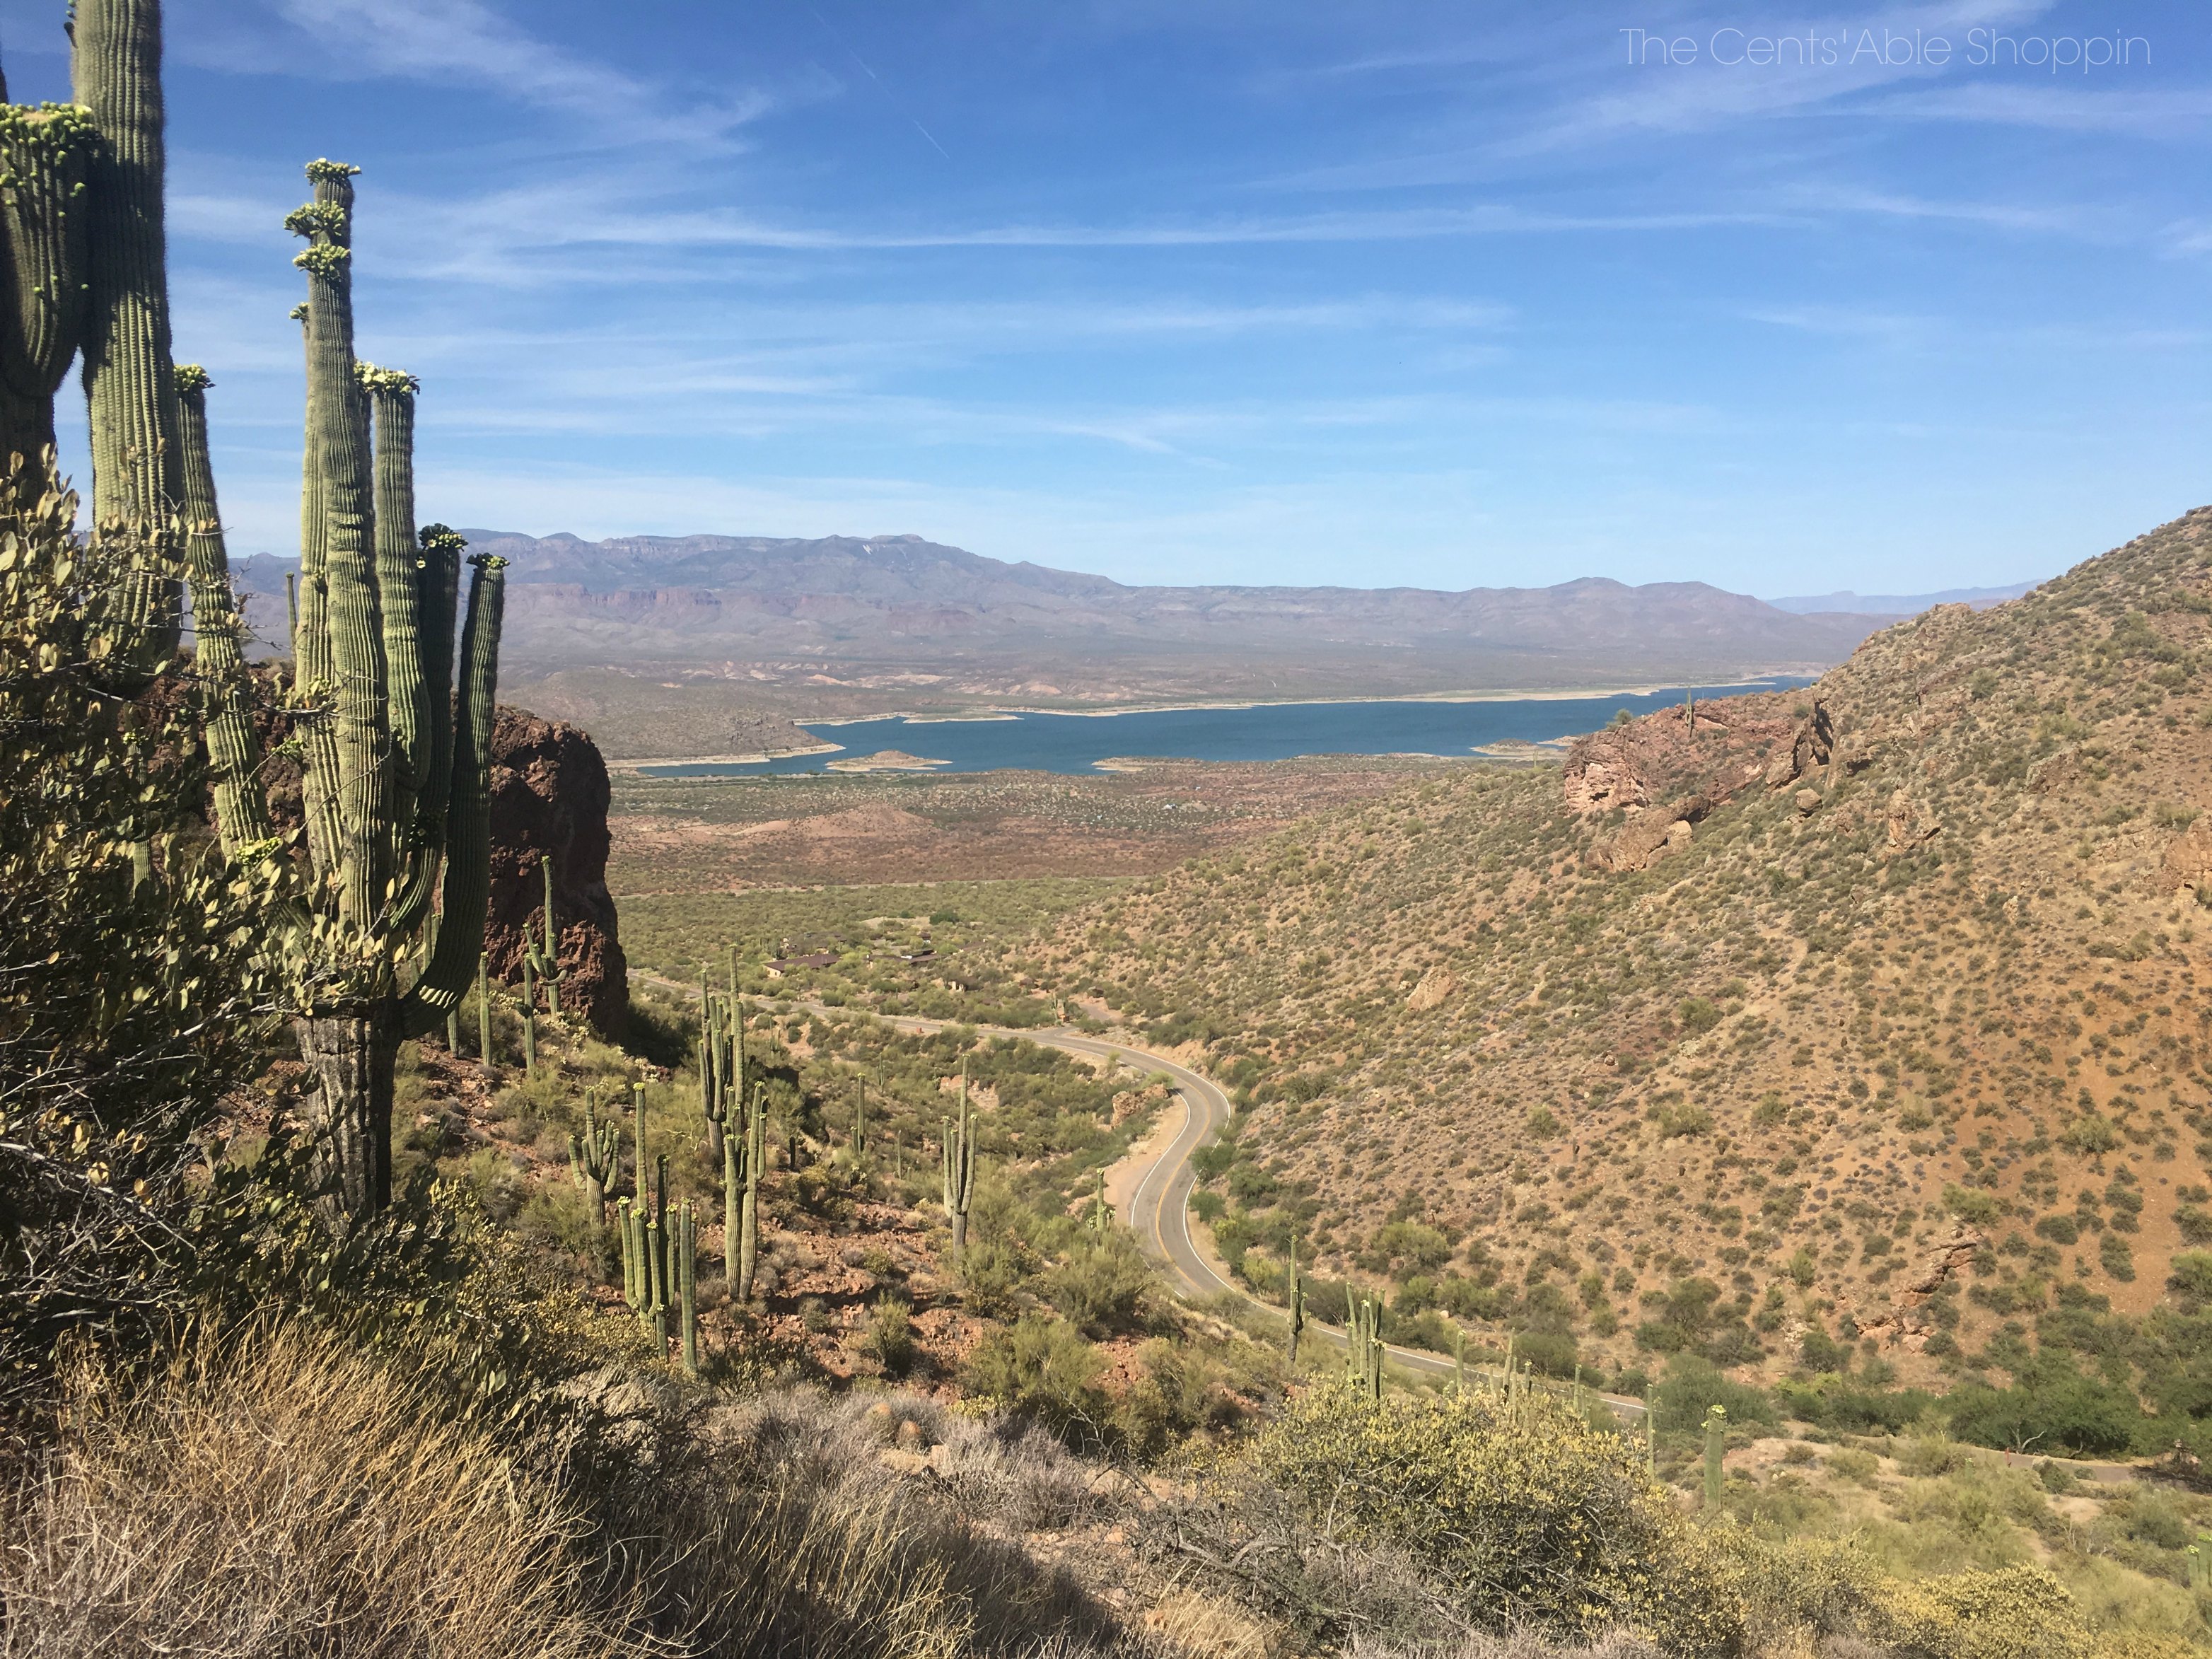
[(1159, 1209)]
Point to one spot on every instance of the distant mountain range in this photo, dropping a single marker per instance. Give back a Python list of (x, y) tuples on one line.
[(671, 599), (1898, 604), (687, 638)]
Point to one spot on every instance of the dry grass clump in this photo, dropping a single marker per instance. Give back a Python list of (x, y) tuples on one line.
[(295, 1499), (292, 1497), (794, 1535)]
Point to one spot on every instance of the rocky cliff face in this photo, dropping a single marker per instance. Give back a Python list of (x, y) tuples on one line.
[(549, 799)]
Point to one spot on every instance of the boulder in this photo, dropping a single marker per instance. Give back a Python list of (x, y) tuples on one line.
[(549, 799), (1909, 823), (1437, 987), (2188, 861)]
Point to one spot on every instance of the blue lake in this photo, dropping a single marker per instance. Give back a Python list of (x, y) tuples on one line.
[(1076, 743)]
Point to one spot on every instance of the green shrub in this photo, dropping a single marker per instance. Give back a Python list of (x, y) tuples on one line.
[(1697, 1015), (2090, 1134), (1530, 1516), (1972, 1205), (2052, 1407), (1102, 1286), (1413, 1247), (1042, 1368), (1552, 1352), (1693, 1386), (889, 1337), (2191, 1279)]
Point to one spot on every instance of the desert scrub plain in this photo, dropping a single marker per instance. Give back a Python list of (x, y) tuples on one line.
[(1861, 1024), (680, 835)]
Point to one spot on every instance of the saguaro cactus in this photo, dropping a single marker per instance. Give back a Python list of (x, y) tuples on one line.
[(1297, 1303), (1099, 1213), (1716, 1448), (721, 1066), (734, 1150), (594, 1158), (749, 1213), (1459, 1362), (529, 1020), (546, 962), (957, 1155), (1364, 1344), (219, 662), (483, 1009), (684, 1242), (397, 774)]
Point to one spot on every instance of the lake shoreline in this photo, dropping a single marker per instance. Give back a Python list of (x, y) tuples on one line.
[(1002, 712), (1477, 730)]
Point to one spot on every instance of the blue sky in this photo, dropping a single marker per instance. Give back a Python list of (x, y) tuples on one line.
[(1366, 293)]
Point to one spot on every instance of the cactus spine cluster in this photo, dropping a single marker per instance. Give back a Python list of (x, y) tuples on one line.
[(1716, 1448), (594, 1158), (545, 962), (957, 1157), (1364, 1348)]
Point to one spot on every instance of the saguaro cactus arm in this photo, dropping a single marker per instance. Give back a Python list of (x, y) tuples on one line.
[(400, 568), (44, 156), (241, 812), (337, 440), (468, 814)]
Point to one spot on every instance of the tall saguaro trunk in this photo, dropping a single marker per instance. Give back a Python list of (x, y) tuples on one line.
[(116, 66), (352, 1052)]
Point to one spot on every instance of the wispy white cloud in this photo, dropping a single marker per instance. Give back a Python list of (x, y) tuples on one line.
[(2173, 114), (469, 44), (2070, 220)]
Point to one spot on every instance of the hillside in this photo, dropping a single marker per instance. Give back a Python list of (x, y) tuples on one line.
[(1871, 1011), (693, 636)]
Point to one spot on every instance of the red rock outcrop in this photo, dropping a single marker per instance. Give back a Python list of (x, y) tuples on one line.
[(548, 797)]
